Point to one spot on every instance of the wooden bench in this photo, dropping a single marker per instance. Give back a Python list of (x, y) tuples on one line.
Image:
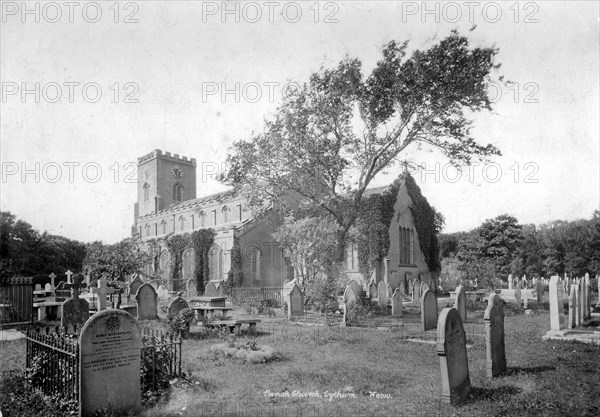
[(209, 312), (234, 325)]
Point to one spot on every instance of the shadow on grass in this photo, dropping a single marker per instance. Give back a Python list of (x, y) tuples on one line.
[(490, 394), (532, 370)]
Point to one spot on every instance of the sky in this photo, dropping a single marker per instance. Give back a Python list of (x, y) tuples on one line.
[(89, 87)]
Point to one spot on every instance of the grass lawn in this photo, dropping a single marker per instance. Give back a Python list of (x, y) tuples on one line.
[(544, 378)]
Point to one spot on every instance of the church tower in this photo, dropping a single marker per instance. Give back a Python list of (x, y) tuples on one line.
[(164, 180)]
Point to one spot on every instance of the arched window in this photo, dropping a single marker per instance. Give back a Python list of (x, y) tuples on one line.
[(146, 192), (215, 262), (225, 211), (188, 264), (177, 192), (181, 223), (406, 240), (163, 226), (214, 212), (255, 256), (239, 209), (201, 216), (147, 230), (165, 260)]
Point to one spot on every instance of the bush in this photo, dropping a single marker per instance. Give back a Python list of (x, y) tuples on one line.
[(180, 324)]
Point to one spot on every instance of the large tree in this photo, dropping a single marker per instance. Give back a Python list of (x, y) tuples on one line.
[(329, 139), (115, 261)]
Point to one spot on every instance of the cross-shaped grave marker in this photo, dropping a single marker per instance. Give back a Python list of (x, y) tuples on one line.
[(52, 281), (69, 274), (74, 287), (102, 291)]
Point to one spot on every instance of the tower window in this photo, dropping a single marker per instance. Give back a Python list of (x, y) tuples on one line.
[(146, 192), (177, 192)]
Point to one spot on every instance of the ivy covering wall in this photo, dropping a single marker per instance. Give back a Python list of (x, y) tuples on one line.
[(201, 241), (376, 216)]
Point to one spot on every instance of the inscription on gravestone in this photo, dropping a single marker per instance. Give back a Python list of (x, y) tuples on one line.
[(452, 352), (109, 368), (494, 331)]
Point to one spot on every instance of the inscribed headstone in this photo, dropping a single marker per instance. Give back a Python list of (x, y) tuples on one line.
[(147, 303), (110, 363), (452, 351), (556, 296), (135, 285), (295, 302), (494, 332), (176, 306), (397, 303), (428, 310), (461, 303)]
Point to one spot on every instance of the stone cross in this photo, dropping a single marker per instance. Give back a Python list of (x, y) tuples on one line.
[(74, 287), (69, 274), (102, 291), (52, 280)]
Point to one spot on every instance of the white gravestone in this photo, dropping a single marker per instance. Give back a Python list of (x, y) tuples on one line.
[(556, 295), (397, 303), (461, 303)]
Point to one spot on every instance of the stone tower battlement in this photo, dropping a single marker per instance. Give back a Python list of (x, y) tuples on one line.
[(167, 155)]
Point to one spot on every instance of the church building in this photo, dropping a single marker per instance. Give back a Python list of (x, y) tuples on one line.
[(167, 206)]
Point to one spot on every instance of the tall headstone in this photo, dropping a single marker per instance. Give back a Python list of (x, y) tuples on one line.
[(581, 302), (372, 290), (349, 303), (162, 292), (452, 351), (147, 303), (587, 298), (408, 283), (494, 336), (573, 317), (75, 310), (356, 288), (429, 310), (176, 306), (135, 285), (191, 288), (295, 302), (53, 281), (518, 293), (510, 281), (556, 296), (110, 363), (382, 295), (416, 291), (397, 303), (461, 303), (69, 274), (101, 291)]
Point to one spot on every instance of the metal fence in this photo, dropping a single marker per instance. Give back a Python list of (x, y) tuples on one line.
[(244, 295), (161, 359), (16, 301), (52, 361)]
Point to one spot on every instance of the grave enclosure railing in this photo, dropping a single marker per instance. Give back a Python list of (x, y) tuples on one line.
[(16, 301), (244, 295), (52, 361)]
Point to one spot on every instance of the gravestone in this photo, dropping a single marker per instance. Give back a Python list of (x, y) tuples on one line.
[(162, 293), (295, 302), (461, 303), (349, 302), (53, 281), (356, 288), (428, 310), (581, 301), (408, 282), (452, 351), (494, 336), (69, 274), (110, 363), (572, 318), (147, 303), (191, 288), (556, 296), (372, 290), (424, 286), (101, 291), (397, 303), (416, 291), (176, 306), (396, 280), (587, 298), (382, 295), (510, 281), (75, 310), (154, 283), (135, 285), (518, 293), (48, 288), (210, 290), (288, 285), (540, 290)]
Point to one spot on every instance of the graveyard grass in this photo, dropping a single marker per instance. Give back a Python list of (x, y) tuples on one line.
[(547, 378)]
